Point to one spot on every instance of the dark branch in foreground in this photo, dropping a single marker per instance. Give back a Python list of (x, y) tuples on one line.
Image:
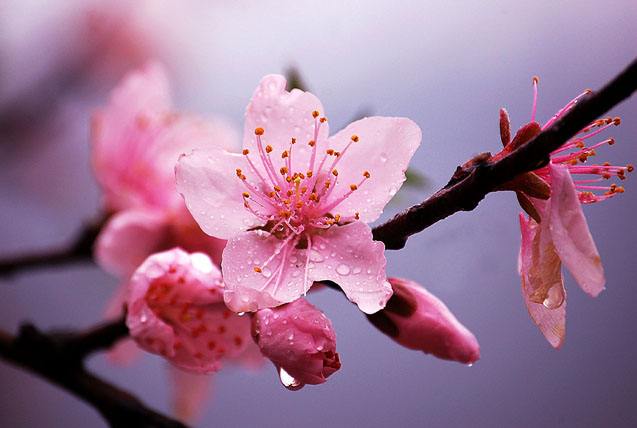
[(469, 186), (79, 250), (58, 357)]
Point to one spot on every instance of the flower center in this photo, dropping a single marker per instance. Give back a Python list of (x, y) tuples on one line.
[(293, 197)]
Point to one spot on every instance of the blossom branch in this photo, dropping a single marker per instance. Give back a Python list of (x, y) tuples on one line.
[(473, 181), (59, 358), (79, 250)]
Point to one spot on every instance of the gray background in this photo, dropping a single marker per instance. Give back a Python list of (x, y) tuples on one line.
[(447, 65)]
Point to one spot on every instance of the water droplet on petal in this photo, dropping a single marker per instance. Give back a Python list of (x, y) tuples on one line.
[(343, 269), (554, 298), (315, 256), (356, 270), (288, 381), (241, 314), (266, 272)]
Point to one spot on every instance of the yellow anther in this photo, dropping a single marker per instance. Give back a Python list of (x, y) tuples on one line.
[(301, 175), (268, 148), (246, 151), (299, 204), (277, 188), (239, 172), (303, 189), (309, 174), (353, 187), (259, 131), (257, 269), (354, 138), (313, 197), (315, 114), (290, 192), (288, 179), (323, 119), (312, 143), (283, 170), (329, 151), (286, 201), (285, 154), (297, 180), (246, 195), (334, 172), (293, 140), (366, 174), (327, 184), (271, 194), (337, 218), (579, 144)]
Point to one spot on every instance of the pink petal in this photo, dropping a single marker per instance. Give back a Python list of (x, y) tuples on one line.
[(550, 320), (213, 193), (283, 115), (283, 279), (175, 309), (137, 140), (384, 148), (189, 393), (573, 240), (298, 338), (120, 130), (422, 322), (128, 238), (350, 257)]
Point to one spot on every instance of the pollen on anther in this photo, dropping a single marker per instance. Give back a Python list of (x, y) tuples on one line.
[(366, 174), (246, 195), (284, 154), (354, 138), (246, 152), (257, 269), (311, 143), (277, 188), (315, 114), (353, 187), (617, 121), (293, 141), (309, 174), (323, 119), (334, 172), (283, 170), (268, 148), (259, 131), (329, 151)]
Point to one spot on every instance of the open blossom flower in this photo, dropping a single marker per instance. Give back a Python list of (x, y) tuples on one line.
[(418, 320), (556, 230), (176, 309), (136, 141), (299, 340), (295, 203)]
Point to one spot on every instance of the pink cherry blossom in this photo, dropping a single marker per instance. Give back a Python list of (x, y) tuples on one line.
[(175, 309), (136, 141), (418, 320), (294, 205), (299, 340), (556, 231)]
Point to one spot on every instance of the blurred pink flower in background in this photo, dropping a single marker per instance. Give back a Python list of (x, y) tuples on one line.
[(416, 319), (556, 230), (294, 205), (300, 342), (136, 141)]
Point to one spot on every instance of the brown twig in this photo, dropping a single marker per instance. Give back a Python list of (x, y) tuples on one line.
[(59, 358), (469, 187), (80, 250)]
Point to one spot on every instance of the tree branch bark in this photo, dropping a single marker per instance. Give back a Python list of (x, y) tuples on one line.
[(464, 192), (59, 358)]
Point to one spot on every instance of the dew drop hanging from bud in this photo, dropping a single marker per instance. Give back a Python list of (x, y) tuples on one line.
[(288, 381)]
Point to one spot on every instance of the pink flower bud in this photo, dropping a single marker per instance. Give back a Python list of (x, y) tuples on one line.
[(418, 320), (176, 309), (299, 340)]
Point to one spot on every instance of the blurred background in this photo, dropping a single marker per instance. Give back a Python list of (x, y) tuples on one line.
[(447, 65)]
